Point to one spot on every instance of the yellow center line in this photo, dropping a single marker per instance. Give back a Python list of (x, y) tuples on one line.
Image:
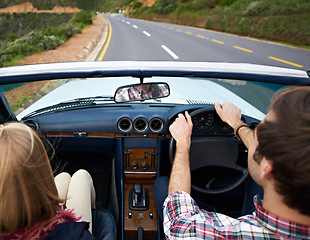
[(200, 36), (217, 41), (164, 26), (178, 30), (243, 49), (107, 42), (189, 33), (170, 28), (287, 62)]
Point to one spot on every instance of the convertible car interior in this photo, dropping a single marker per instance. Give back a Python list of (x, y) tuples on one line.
[(125, 144)]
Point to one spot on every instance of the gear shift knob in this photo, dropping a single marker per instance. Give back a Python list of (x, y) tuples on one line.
[(138, 198), (138, 189)]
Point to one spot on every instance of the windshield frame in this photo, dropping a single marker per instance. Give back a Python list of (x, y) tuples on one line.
[(238, 71), (145, 71)]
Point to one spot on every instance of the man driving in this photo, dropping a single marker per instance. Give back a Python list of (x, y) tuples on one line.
[(278, 160)]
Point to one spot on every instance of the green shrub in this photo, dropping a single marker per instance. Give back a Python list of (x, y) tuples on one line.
[(245, 24), (83, 18), (71, 30), (267, 7), (293, 28), (208, 23), (137, 5), (186, 7), (33, 42), (226, 2), (12, 37), (21, 24), (193, 6), (165, 6)]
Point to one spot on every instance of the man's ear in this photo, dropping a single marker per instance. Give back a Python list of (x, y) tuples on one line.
[(266, 168)]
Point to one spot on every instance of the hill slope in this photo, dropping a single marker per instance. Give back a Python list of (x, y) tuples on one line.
[(277, 20), (50, 4), (28, 7)]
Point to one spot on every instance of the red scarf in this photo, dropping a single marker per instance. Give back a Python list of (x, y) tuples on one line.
[(40, 230)]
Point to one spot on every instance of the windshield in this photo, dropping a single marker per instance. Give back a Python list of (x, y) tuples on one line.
[(234, 32), (40, 97)]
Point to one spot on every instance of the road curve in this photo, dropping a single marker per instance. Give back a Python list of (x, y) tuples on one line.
[(133, 39)]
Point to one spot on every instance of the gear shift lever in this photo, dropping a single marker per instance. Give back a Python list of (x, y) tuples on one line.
[(138, 189), (138, 198)]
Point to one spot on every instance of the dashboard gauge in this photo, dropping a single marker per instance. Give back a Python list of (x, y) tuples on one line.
[(203, 120)]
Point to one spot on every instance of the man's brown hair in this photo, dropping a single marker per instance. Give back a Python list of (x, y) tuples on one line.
[(286, 142), (28, 193)]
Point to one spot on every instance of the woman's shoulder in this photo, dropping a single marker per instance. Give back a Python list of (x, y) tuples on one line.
[(41, 229), (71, 230)]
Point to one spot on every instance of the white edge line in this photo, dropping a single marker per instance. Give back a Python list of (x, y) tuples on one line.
[(172, 54), (135, 26), (146, 33)]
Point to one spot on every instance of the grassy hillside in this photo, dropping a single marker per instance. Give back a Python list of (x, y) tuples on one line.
[(36, 33), (114, 5), (49, 4), (277, 20), (20, 24)]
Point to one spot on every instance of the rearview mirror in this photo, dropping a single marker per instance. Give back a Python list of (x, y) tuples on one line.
[(141, 92)]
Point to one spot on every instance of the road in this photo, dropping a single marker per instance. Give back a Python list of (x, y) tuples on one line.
[(134, 39)]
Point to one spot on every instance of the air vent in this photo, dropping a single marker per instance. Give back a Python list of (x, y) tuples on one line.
[(156, 124), (32, 124), (140, 124), (124, 124), (198, 102)]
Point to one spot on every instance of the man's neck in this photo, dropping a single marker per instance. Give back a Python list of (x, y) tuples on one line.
[(273, 202)]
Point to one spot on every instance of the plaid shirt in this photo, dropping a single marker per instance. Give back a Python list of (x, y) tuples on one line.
[(184, 219)]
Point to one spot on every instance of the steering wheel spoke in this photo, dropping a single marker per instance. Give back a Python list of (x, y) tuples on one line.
[(239, 168)]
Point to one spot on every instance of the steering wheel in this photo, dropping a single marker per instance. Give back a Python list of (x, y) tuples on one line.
[(214, 151)]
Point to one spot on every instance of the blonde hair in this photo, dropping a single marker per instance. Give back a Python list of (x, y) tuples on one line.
[(28, 193)]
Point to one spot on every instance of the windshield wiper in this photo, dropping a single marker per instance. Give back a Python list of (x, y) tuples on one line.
[(94, 99), (78, 102)]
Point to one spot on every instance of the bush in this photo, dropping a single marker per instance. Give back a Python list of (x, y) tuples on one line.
[(33, 42), (83, 19), (71, 30), (12, 37), (137, 5), (294, 28), (165, 6), (23, 23), (226, 2), (267, 7)]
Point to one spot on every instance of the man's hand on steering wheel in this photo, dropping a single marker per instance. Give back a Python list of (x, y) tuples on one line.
[(229, 113), (181, 129)]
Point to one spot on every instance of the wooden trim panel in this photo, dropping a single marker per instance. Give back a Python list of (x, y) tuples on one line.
[(140, 160), (71, 134), (131, 225)]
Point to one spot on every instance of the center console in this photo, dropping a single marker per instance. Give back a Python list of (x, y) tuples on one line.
[(140, 215)]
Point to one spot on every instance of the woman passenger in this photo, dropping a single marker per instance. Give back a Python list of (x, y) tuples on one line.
[(30, 207)]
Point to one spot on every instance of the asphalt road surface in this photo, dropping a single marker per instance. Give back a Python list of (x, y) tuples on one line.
[(133, 39)]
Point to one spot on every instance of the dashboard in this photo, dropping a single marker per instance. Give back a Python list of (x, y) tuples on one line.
[(126, 119)]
